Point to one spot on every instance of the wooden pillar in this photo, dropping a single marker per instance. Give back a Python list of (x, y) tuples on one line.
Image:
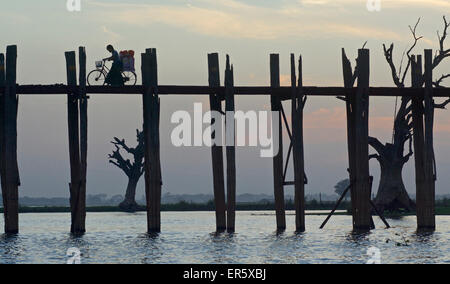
[(426, 201), (350, 102), (357, 135), (151, 111), (83, 102), (2, 121), (278, 158), (10, 171), (230, 148), (77, 226), (419, 139), (362, 214), (298, 103), (216, 151)]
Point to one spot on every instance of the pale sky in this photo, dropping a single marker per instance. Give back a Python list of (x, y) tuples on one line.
[(184, 32)]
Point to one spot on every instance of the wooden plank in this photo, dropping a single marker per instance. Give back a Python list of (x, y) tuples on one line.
[(427, 202), (2, 121), (216, 151), (83, 104), (230, 149), (350, 107), (278, 159), (74, 145), (146, 105), (10, 166), (151, 112), (298, 104), (283, 92), (419, 140), (361, 187)]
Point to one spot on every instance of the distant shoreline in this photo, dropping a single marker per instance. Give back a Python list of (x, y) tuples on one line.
[(208, 207), (186, 207)]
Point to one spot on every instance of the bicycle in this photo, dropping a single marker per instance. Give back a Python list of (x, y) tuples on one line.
[(97, 77)]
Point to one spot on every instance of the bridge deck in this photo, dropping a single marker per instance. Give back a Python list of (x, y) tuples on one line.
[(284, 92)]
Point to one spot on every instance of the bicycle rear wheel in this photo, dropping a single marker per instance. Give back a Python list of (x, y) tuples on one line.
[(96, 78), (129, 78)]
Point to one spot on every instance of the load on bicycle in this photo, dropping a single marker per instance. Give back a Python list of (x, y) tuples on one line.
[(122, 71)]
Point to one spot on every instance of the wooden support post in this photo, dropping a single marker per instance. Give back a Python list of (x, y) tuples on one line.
[(216, 151), (77, 226), (419, 140), (231, 149), (361, 186), (426, 199), (336, 206), (357, 135), (278, 158), (151, 111), (298, 104), (2, 127), (83, 102), (10, 171), (350, 102)]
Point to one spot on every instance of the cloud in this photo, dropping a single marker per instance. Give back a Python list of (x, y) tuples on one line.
[(232, 19), (111, 34), (326, 118), (330, 124), (441, 5)]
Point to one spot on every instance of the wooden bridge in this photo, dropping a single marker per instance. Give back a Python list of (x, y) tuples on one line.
[(355, 97)]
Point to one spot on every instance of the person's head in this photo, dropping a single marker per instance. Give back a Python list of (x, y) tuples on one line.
[(110, 48)]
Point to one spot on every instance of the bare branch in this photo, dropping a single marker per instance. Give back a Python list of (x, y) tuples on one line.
[(410, 153), (388, 55), (408, 53), (116, 159), (138, 154), (442, 54), (442, 105), (376, 144), (438, 83), (122, 143), (364, 45), (399, 78), (374, 156), (305, 99)]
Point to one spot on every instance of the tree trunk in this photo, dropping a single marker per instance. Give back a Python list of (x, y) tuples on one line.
[(392, 194), (129, 204)]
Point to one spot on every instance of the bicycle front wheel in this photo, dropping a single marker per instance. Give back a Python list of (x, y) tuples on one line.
[(129, 78), (96, 78)]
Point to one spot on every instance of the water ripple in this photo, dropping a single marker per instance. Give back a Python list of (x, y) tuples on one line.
[(188, 238)]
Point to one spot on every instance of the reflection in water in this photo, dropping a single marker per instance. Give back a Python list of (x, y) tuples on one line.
[(358, 236), (150, 244), (11, 248), (187, 238), (222, 245)]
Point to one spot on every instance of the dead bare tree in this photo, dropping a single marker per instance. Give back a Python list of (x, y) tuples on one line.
[(133, 170), (392, 194)]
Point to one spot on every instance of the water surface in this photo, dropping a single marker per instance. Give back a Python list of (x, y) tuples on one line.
[(187, 238)]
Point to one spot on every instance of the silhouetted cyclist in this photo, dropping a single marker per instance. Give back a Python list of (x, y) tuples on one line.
[(114, 77)]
